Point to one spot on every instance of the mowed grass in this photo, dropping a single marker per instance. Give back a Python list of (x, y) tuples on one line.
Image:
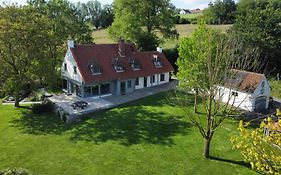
[(148, 136), (275, 88), (191, 15), (101, 36)]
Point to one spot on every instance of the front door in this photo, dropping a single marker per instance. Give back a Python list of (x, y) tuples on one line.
[(123, 88), (145, 81)]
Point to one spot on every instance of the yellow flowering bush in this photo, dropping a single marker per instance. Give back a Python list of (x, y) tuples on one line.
[(261, 146)]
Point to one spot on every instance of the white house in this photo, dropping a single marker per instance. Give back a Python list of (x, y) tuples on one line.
[(104, 69), (184, 11), (246, 90)]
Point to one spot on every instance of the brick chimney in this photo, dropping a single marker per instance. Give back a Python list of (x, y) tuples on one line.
[(121, 47)]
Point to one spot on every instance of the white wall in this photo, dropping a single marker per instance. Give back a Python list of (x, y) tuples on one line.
[(166, 79), (258, 92), (69, 60), (140, 86), (157, 81), (243, 100)]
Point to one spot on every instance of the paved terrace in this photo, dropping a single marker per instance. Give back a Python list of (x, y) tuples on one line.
[(96, 104)]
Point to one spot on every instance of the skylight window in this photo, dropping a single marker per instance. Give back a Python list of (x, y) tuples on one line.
[(157, 63), (95, 68), (134, 64), (117, 65)]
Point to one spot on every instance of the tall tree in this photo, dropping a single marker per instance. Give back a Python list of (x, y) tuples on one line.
[(221, 12), (94, 11), (107, 16), (82, 10), (134, 18), (23, 36), (258, 25), (65, 24), (205, 61)]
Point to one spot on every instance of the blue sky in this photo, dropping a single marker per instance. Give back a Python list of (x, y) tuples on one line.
[(189, 4)]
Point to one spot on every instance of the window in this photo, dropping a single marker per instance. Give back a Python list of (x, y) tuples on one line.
[(152, 79), (117, 65), (235, 94), (95, 68), (105, 89), (162, 77), (157, 63), (75, 69), (134, 64), (129, 84), (65, 67), (137, 82)]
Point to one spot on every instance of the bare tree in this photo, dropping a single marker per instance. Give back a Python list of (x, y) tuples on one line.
[(207, 64)]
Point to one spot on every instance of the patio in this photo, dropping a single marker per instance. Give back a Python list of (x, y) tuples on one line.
[(96, 104)]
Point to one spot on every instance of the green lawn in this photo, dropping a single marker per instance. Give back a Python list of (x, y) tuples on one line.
[(190, 15), (275, 88), (148, 136), (101, 36)]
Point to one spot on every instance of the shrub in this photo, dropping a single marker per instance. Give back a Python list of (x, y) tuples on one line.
[(184, 21), (14, 172), (42, 108), (177, 19), (194, 21)]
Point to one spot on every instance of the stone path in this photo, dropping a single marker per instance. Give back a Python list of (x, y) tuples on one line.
[(96, 104)]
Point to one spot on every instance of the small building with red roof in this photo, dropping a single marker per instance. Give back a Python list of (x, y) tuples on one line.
[(249, 91), (95, 70)]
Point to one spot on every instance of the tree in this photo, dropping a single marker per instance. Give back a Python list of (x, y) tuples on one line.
[(135, 18), (94, 12), (205, 61), (107, 16), (23, 34), (258, 25), (221, 12), (82, 11), (262, 151), (65, 23)]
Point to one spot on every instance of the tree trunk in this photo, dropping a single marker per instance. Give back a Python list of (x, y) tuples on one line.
[(195, 101), (17, 100), (207, 147)]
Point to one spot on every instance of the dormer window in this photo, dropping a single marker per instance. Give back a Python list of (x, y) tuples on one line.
[(117, 65), (134, 64), (95, 68), (157, 63)]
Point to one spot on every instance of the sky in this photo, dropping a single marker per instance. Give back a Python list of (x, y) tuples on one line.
[(187, 4)]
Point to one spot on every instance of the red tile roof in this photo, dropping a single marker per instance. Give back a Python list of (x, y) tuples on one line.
[(103, 54), (244, 81)]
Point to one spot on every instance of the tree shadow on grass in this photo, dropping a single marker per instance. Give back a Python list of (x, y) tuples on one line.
[(39, 124), (132, 125), (235, 162), (126, 125)]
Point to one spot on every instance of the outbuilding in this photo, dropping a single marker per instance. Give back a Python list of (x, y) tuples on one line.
[(249, 91)]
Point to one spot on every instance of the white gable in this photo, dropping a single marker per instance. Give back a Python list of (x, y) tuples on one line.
[(263, 89), (71, 64)]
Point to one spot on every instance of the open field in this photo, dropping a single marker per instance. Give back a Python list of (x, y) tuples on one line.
[(191, 15), (149, 136), (101, 36)]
